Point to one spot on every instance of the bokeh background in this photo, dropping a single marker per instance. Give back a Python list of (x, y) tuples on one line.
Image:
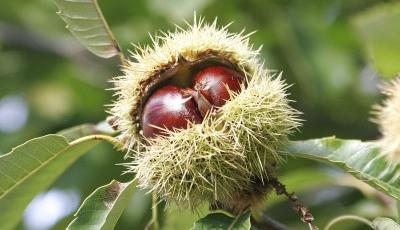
[(334, 53)]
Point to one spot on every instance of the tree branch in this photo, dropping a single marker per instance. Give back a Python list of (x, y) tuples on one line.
[(306, 216)]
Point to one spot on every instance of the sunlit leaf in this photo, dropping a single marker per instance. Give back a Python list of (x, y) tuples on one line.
[(30, 168), (382, 223), (221, 221), (361, 159), (86, 22), (379, 29), (87, 129), (102, 209)]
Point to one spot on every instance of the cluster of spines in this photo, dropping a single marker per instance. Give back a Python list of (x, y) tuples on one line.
[(387, 116), (224, 157), (219, 159)]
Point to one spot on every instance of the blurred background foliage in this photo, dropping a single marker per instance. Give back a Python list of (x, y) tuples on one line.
[(333, 52)]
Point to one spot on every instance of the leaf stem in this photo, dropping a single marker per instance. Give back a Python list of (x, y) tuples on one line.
[(114, 141), (121, 56), (154, 212), (109, 32), (348, 217)]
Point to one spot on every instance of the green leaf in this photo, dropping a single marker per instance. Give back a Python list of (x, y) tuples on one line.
[(86, 22), (361, 159), (178, 218), (221, 221), (102, 209), (382, 223), (30, 168), (379, 30)]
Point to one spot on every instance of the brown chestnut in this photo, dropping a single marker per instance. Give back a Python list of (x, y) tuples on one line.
[(172, 107), (168, 107), (212, 82)]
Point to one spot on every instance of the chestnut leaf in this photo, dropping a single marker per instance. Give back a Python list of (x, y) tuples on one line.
[(102, 208), (222, 221), (383, 223), (363, 160), (32, 167)]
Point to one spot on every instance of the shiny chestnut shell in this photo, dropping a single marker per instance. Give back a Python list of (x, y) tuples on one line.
[(213, 83), (169, 107), (174, 105)]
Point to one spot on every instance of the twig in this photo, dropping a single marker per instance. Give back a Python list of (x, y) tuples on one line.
[(305, 213)]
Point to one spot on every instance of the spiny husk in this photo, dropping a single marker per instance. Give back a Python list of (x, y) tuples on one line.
[(219, 159), (387, 116), (231, 153)]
